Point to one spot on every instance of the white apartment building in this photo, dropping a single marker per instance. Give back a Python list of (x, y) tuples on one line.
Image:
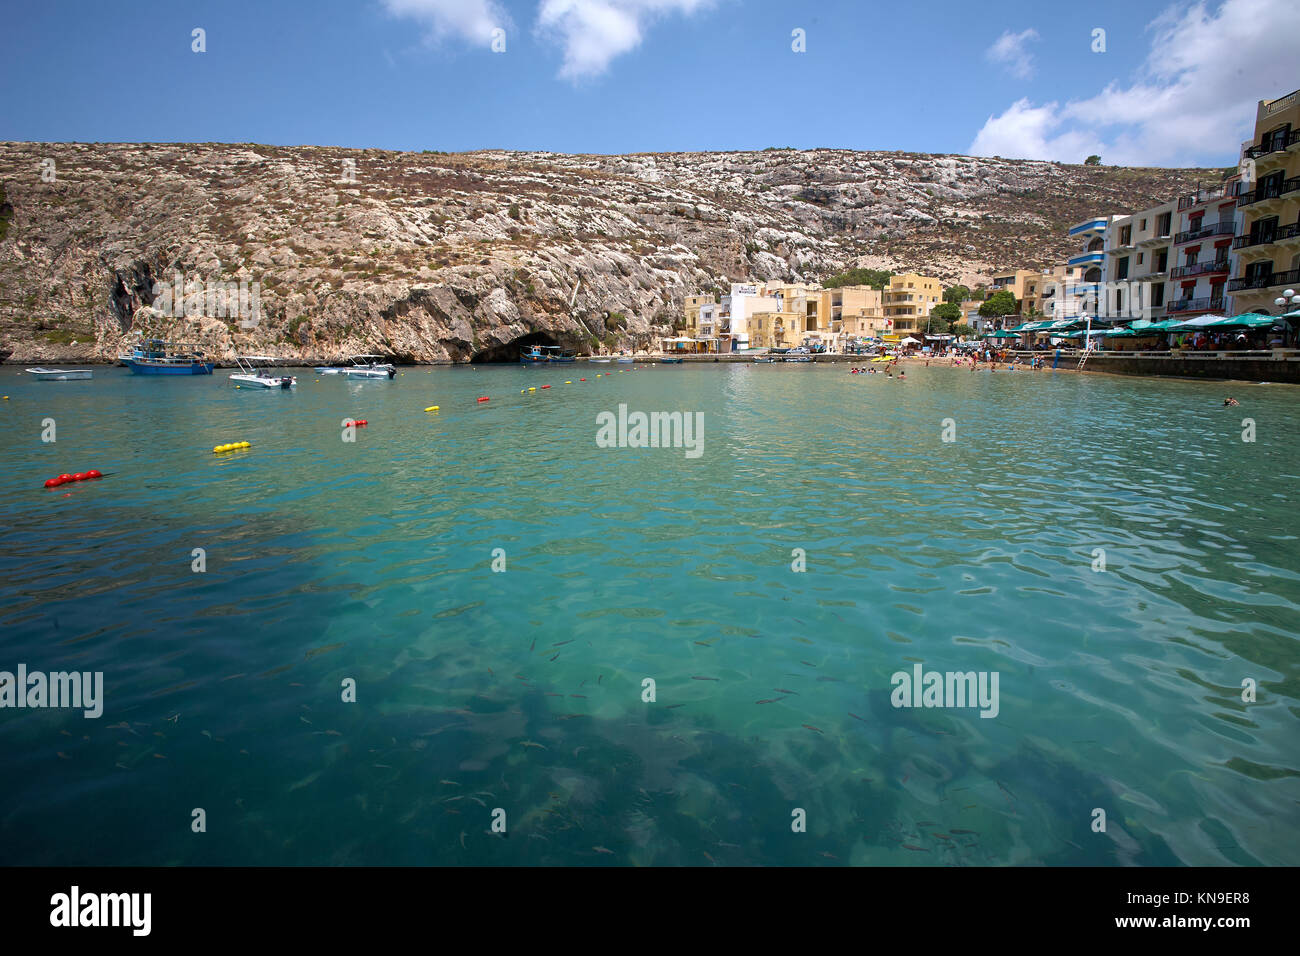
[(1138, 261), (1200, 261)]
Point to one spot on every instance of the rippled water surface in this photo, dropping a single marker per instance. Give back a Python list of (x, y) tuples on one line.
[(326, 560)]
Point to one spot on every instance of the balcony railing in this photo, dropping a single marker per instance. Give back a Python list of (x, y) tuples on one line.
[(1226, 191), (1200, 268), (1274, 145), (1267, 238), (1205, 303), (1270, 191), (1265, 281), (1224, 228)]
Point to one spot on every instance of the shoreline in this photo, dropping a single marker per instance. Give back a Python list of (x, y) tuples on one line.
[(1280, 367)]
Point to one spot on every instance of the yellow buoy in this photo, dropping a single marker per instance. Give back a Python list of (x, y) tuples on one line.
[(215, 449), (568, 383), (532, 389), (432, 408)]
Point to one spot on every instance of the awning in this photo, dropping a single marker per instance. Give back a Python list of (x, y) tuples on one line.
[(1251, 320), (1003, 334), (1200, 322)]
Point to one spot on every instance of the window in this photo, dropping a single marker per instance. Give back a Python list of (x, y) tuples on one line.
[(1140, 255), (1142, 225), (1263, 230), (1157, 295), (1122, 271)]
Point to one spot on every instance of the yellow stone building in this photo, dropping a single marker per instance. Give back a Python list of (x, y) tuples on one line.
[(908, 299), (693, 303), (1267, 247)]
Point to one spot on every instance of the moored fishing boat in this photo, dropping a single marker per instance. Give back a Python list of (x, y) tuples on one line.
[(157, 357), (545, 355), (59, 374), (671, 359)]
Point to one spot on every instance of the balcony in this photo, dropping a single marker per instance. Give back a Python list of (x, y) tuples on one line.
[(1091, 225), (1274, 145), (1266, 281), (1205, 303), (1200, 269), (1161, 236), (1226, 228), (1226, 191), (1281, 234), (1270, 191), (1086, 259)]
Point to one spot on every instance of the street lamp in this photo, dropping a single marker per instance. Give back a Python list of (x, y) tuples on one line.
[(1287, 297)]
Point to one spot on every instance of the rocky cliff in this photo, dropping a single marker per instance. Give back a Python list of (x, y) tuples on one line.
[(434, 257)]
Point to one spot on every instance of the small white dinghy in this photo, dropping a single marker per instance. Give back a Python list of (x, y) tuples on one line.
[(250, 375), (60, 374)]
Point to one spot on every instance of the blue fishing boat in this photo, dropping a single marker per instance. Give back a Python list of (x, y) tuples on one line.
[(671, 360), (157, 357), (545, 355)]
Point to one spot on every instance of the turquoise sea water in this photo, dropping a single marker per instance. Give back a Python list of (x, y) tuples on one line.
[(326, 560)]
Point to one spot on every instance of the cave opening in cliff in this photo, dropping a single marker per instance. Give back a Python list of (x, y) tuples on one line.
[(508, 352)]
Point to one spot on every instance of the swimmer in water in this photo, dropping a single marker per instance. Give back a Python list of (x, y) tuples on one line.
[(1230, 401)]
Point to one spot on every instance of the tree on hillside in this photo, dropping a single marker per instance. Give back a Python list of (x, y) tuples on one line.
[(956, 294), (947, 310), (876, 278), (999, 304), (1093, 160)]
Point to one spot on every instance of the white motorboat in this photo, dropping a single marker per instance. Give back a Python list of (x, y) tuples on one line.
[(366, 366), (253, 375), (60, 374)]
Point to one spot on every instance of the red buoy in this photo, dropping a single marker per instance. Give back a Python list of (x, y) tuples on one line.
[(53, 482), (65, 477), (79, 476), (364, 421), (582, 380), (546, 386), (484, 398), (94, 473)]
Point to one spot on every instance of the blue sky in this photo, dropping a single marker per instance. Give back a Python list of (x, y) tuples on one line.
[(1176, 84)]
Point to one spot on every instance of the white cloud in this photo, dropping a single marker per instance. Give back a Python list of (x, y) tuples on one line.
[(1192, 101), (1009, 50), (594, 32), (472, 20)]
